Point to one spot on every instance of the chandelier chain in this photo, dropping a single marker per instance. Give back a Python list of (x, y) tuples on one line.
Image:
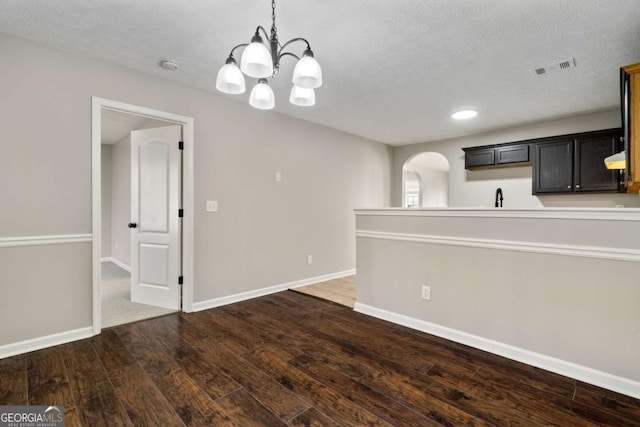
[(274, 29)]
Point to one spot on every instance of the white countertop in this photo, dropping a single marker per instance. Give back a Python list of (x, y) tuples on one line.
[(615, 214)]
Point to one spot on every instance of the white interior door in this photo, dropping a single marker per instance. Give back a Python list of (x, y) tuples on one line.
[(155, 225)]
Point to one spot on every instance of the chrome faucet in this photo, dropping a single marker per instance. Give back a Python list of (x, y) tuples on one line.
[(499, 198)]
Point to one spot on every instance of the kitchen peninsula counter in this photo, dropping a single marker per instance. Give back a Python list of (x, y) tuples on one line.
[(557, 288), (610, 228)]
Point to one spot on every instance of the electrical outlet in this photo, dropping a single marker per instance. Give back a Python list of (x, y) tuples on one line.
[(309, 259), (426, 293), (212, 206), (116, 245), (278, 177)]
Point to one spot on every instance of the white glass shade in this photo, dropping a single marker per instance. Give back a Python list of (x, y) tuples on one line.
[(307, 73), (230, 79), (302, 97), (262, 97), (256, 61)]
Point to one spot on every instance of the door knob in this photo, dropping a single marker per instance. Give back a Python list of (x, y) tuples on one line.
[(132, 225)]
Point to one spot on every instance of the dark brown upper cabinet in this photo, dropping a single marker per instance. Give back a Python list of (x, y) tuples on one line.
[(575, 163), (513, 155), (590, 173), (497, 156), (553, 167), (561, 164)]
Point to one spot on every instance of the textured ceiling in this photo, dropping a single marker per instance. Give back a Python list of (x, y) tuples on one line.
[(394, 71)]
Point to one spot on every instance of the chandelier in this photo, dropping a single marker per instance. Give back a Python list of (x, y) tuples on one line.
[(261, 60)]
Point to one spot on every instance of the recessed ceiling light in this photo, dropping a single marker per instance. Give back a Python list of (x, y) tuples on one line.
[(464, 114), (169, 64)]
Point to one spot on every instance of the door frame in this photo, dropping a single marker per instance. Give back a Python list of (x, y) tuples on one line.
[(97, 105)]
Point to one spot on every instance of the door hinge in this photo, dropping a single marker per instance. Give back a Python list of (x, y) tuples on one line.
[(180, 280), (180, 213), (180, 145)]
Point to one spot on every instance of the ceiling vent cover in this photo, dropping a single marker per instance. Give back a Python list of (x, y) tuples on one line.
[(552, 68)]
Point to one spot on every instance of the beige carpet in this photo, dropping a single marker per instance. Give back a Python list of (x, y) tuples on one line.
[(117, 307)]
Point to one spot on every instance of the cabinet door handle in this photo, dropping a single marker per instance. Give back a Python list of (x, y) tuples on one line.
[(568, 186), (578, 186)]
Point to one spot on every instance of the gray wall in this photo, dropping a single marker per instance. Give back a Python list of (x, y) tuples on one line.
[(435, 186), (121, 201), (477, 188), (106, 154), (578, 309), (44, 290), (263, 231)]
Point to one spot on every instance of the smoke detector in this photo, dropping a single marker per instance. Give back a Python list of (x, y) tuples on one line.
[(559, 66), (169, 64)]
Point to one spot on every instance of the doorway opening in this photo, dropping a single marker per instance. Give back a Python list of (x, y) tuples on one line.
[(142, 213), (425, 181)]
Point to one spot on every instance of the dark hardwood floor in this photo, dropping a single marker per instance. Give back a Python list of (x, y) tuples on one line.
[(293, 360)]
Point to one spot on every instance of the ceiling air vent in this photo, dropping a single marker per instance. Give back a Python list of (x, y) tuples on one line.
[(552, 68)]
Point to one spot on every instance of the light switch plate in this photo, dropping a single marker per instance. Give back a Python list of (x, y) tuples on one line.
[(278, 177), (212, 206)]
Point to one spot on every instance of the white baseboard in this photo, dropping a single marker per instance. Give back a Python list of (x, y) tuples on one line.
[(44, 342), (562, 367), (218, 302), (116, 262), (320, 279)]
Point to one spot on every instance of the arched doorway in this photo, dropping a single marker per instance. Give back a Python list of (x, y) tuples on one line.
[(425, 181)]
